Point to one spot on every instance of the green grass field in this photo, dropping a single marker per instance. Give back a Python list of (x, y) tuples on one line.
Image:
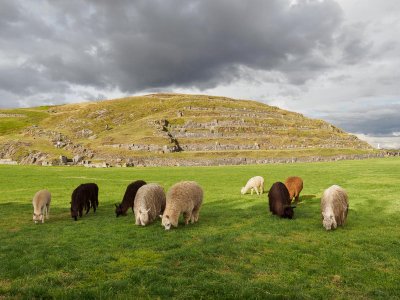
[(236, 250)]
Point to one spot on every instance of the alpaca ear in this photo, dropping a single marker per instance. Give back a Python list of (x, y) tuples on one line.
[(160, 216), (148, 210)]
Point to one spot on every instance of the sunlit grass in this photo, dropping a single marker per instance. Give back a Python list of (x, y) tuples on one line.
[(236, 250)]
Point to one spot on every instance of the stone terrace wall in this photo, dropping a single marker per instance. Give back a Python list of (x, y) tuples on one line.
[(156, 162)]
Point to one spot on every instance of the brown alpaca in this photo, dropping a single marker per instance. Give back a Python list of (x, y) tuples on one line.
[(294, 185)]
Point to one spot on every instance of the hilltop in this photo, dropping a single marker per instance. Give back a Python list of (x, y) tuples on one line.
[(169, 129)]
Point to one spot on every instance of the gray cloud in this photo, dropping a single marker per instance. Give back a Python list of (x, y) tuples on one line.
[(306, 55), (377, 120), (136, 45)]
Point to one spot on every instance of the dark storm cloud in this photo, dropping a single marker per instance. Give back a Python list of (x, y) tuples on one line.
[(202, 43), (136, 45)]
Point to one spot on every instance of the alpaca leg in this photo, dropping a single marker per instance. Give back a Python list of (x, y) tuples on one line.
[(334, 223), (43, 213), (48, 211), (87, 206), (184, 216), (251, 191), (187, 216), (137, 220), (195, 215), (257, 190)]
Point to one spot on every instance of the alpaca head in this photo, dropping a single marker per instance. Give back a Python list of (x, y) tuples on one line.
[(118, 210), (243, 190), (329, 221), (74, 214), (288, 212), (166, 222), (37, 218), (144, 217)]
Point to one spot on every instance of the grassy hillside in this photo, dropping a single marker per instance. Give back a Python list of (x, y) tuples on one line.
[(237, 250), (163, 124)]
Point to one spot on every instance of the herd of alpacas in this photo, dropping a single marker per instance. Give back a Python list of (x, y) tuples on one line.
[(148, 201)]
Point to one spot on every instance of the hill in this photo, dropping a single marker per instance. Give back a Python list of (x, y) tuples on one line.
[(169, 129)]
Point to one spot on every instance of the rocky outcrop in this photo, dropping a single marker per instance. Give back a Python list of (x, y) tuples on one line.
[(34, 158), (163, 125), (60, 140)]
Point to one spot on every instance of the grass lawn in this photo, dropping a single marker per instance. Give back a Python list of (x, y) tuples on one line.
[(236, 250)]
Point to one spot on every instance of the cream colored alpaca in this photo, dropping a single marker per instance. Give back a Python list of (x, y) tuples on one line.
[(41, 205), (185, 198), (255, 183)]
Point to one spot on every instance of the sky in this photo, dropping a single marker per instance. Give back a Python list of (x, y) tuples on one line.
[(337, 60)]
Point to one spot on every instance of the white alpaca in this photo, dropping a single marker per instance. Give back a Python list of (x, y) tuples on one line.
[(334, 207), (41, 205), (255, 183), (149, 203)]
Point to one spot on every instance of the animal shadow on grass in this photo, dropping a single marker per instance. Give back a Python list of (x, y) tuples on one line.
[(18, 214), (304, 198), (221, 212)]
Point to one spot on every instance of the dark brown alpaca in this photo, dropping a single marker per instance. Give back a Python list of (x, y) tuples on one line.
[(129, 197), (279, 201), (84, 197)]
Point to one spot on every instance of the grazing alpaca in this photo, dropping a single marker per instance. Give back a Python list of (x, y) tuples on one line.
[(185, 198), (149, 203), (129, 197), (255, 183), (84, 197), (294, 185), (334, 207), (279, 201), (41, 205)]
